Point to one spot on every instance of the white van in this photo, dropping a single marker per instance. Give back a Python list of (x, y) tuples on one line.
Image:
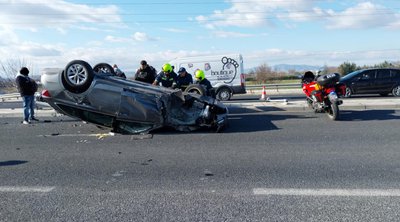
[(225, 72)]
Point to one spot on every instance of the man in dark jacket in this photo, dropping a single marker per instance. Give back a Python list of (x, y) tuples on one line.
[(145, 73), (184, 79), (27, 88)]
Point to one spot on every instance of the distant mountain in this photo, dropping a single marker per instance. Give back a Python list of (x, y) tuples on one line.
[(299, 68)]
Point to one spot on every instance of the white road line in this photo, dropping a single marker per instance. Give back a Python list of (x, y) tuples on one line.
[(26, 189), (72, 135), (328, 192), (100, 135)]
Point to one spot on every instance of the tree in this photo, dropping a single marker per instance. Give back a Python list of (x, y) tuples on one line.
[(9, 69), (262, 72), (346, 68), (384, 64)]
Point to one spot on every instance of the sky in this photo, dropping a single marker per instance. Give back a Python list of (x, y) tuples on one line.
[(50, 33)]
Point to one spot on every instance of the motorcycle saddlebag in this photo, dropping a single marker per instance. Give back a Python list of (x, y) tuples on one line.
[(328, 79), (340, 89)]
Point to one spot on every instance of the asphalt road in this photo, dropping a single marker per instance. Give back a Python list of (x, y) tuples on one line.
[(269, 165)]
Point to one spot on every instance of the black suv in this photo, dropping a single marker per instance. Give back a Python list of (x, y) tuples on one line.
[(371, 81)]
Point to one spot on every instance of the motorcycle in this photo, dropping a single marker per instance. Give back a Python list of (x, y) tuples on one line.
[(323, 93)]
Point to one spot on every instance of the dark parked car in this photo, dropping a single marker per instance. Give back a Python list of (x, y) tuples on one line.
[(97, 96), (372, 81)]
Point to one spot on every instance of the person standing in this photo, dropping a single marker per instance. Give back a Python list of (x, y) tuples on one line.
[(167, 77), (184, 79), (146, 73), (27, 88)]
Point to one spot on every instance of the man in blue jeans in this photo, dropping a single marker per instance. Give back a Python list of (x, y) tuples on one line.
[(27, 88)]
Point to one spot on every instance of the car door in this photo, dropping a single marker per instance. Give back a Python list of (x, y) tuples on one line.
[(138, 105), (395, 76), (383, 82), (364, 82)]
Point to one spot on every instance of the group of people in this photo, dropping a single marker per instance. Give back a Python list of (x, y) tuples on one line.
[(168, 78)]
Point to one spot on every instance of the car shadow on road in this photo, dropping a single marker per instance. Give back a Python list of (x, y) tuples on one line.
[(258, 119), (257, 122), (365, 115), (12, 162)]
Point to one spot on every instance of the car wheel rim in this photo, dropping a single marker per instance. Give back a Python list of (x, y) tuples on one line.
[(396, 91), (348, 92), (223, 95), (104, 70), (77, 74)]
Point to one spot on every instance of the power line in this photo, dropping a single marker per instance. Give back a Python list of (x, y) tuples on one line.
[(166, 3), (386, 11), (190, 21)]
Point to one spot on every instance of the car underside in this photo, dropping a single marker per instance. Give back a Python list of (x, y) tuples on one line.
[(127, 106)]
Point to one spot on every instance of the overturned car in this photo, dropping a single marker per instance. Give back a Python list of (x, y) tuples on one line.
[(98, 96)]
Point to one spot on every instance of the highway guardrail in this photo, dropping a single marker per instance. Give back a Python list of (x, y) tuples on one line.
[(274, 86), (9, 96)]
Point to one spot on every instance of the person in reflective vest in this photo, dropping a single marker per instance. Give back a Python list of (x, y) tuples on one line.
[(167, 77), (201, 79)]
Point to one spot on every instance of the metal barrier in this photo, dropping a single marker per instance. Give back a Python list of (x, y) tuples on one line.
[(274, 86), (9, 96)]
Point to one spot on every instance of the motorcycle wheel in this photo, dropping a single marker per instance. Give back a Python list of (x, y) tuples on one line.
[(333, 111)]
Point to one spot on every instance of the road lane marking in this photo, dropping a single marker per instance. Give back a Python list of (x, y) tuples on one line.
[(328, 192), (26, 189), (77, 135)]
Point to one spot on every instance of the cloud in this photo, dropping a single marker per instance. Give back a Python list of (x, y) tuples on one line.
[(142, 37), (110, 38), (27, 14), (255, 13), (224, 34), (7, 37), (37, 50), (175, 30), (318, 58), (362, 16)]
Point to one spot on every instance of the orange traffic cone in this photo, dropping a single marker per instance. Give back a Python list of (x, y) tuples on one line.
[(263, 94)]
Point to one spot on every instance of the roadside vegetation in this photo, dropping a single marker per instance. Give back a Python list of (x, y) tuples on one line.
[(264, 74), (9, 68)]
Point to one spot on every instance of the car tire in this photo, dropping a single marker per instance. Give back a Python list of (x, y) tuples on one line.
[(224, 94), (104, 68), (348, 93), (396, 91), (196, 89), (77, 76)]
